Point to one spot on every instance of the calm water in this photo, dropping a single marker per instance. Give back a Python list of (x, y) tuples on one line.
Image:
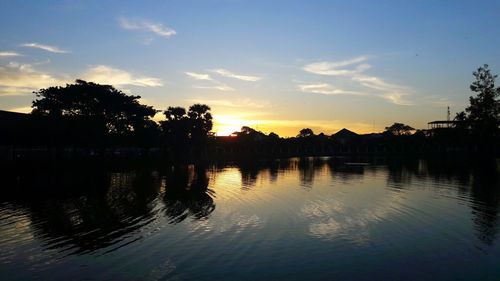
[(294, 219)]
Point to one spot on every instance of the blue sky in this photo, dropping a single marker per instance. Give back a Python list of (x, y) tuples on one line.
[(274, 65)]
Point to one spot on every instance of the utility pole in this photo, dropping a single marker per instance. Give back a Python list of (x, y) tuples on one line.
[(448, 116)]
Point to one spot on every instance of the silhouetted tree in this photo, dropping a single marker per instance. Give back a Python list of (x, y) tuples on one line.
[(187, 129), (247, 133), (176, 126), (399, 129), (461, 119), (273, 136), (200, 120), (306, 132), (245, 130), (484, 110), (119, 112)]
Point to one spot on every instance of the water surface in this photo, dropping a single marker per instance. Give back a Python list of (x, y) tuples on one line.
[(288, 219)]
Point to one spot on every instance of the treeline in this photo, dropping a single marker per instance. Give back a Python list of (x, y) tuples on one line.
[(90, 114), (98, 117)]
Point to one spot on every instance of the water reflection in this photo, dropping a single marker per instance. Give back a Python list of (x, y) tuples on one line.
[(187, 193), (476, 180), (80, 209)]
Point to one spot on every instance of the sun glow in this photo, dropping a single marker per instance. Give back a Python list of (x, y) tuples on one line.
[(225, 125)]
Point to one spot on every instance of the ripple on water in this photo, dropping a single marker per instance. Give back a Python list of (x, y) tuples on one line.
[(289, 215)]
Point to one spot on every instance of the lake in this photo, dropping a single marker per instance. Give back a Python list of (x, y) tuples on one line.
[(284, 219)]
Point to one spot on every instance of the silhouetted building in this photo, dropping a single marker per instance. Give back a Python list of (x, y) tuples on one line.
[(444, 124), (344, 136)]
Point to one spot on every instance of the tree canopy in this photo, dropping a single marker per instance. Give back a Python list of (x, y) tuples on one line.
[(306, 132), (201, 121), (399, 129), (483, 113), (181, 125), (120, 113)]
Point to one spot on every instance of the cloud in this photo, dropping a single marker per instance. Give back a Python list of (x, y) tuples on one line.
[(216, 85), (397, 98), (392, 92), (199, 76), (9, 54), (353, 70), (22, 79), (143, 25), (325, 89), (52, 49), (227, 73), (245, 103), (220, 87), (441, 101), (117, 77), (332, 68)]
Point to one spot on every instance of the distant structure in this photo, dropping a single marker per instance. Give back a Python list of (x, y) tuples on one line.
[(443, 124), (344, 136)]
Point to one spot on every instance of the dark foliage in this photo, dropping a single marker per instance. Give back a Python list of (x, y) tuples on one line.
[(399, 129), (483, 113), (120, 113)]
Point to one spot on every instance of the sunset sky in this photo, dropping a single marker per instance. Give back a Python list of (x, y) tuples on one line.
[(273, 65)]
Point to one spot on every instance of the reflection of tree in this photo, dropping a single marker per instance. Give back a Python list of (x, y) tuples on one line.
[(308, 168), (401, 172), (249, 173), (485, 206), (187, 193), (85, 209), (339, 170), (476, 179)]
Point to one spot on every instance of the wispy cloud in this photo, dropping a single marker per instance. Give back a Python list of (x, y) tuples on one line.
[(325, 89), (441, 101), (334, 68), (9, 54), (118, 77), (52, 49), (199, 76), (244, 103), (215, 85), (221, 87), (353, 70), (144, 25), (22, 79), (227, 73)]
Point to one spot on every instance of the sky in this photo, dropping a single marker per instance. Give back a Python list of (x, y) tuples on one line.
[(276, 66)]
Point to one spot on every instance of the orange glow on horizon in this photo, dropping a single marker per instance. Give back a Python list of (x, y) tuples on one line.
[(225, 125)]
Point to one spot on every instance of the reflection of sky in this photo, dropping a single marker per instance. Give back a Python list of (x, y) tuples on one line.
[(274, 221), (335, 205)]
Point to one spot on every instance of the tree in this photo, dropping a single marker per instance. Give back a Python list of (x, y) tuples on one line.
[(484, 111), (120, 113), (306, 132), (273, 136), (200, 120), (399, 129), (245, 130), (460, 121), (181, 126), (176, 128)]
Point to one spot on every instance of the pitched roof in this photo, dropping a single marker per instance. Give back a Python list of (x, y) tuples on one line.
[(344, 133)]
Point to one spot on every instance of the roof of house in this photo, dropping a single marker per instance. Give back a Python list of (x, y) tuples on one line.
[(344, 133)]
